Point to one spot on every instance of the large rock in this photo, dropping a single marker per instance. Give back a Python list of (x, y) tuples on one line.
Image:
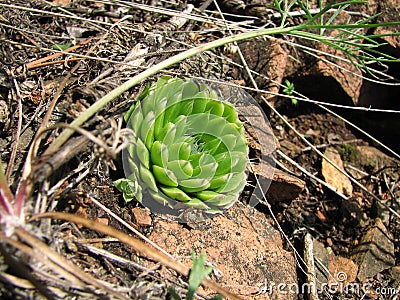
[(243, 246), (375, 252)]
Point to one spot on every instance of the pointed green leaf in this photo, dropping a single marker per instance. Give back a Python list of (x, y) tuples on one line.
[(220, 181), (215, 107), (175, 193), (223, 201), (181, 127), (159, 154), (164, 176), (162, 198), (241, 145), (197, 274), (130, 189), (239, 162), (205, 171), (198, 204), (136, 119), (182, 169), (147, 130), (234, 185), (147, 177), (194, 185), (199, 105), (228, 142), (179, 151), (207, 195), (190, 89), (173, 108), (142, 153), (167, 134), (231, 128), (230, 113), (215, 126)]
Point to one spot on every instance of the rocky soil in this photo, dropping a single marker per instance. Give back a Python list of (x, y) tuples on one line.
[(315, 227)]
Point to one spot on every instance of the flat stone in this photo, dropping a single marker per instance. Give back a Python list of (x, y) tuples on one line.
[(255, 53), (334, 177), (375, 252), (283, 186), (142, 216), (341, 270), (244, 247)]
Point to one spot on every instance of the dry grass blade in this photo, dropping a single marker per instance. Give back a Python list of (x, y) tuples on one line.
[(136, 244), (41, 62), (18, 132)]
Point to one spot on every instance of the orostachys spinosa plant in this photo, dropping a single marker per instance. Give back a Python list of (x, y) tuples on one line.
[(189, 149)]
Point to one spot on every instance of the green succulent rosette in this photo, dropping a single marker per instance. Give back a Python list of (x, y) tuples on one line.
[(189, 149)]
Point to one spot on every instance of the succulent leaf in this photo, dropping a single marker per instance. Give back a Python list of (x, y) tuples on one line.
[(220, 181), (159, 154), (179, 151), (142, 153), (194, 184), (176, 193), (181, 168), (147, 178), (165, 176), (128, 187)]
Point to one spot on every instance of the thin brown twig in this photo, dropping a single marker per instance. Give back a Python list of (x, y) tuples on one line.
[(44, 169), (17, 134), (40, 258), (49, 63), (39, 62)]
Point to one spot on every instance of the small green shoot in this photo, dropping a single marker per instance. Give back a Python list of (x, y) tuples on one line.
[(196, 276), (289, 90), (61, 46)]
